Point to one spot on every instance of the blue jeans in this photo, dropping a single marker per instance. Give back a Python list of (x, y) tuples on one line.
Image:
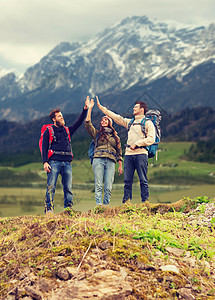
[(137, 162), (63, 168), (103, 168)]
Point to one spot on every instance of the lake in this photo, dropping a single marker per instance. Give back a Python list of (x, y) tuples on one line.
[(29, 201)]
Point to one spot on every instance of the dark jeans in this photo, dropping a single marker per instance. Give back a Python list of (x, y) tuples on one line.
[(137, 162)]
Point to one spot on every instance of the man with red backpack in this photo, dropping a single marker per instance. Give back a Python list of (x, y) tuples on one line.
[(57, 155)]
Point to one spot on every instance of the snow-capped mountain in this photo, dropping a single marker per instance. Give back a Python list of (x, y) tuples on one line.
[(132, 56)]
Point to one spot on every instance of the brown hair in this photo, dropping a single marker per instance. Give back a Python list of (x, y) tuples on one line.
[(142, 105), (53, 113), (103, 134)]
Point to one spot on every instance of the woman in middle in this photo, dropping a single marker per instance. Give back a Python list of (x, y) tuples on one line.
[(107, 152)]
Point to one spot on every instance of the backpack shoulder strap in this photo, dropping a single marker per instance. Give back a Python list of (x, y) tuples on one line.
[(51, 134), (130, 123), (96, 139), (143, 123), (68, 132)]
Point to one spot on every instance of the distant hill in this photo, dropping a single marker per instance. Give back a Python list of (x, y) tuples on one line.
[(195, 124)]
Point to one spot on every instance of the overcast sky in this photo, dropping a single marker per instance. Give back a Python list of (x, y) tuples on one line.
[(29, 29)]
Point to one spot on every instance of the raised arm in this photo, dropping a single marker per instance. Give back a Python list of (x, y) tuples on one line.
[(80, 119), (117, 118), (88, 124), (90, 107)]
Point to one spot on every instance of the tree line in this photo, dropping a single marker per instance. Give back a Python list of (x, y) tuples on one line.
[(203, 151)]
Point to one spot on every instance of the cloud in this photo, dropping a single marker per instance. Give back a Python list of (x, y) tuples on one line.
[(30, 29)]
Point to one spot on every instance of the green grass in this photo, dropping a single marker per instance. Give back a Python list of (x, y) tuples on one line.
[(170, 158), (170, 152), (32, 167)]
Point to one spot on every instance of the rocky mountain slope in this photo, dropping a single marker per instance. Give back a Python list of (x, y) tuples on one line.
[(171, 62)]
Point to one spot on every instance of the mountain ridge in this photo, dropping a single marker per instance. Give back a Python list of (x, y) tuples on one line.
[(133, 54)]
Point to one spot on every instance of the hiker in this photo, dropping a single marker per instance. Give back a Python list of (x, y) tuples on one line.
[(61, 156), (136, 156), (107, 152)]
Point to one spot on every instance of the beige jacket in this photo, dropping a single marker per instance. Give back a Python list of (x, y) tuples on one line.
[(135, 134)]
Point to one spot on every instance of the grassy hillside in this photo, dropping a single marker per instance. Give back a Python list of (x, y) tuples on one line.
[(170, 164), (130, 252)]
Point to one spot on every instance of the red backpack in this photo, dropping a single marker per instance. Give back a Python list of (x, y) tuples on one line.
[(51, 137)]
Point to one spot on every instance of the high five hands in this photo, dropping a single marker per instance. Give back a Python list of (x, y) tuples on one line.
[(89, 103), (98, 103), (86, 102)]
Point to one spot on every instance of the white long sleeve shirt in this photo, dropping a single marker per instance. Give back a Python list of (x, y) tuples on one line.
[(135, 134)]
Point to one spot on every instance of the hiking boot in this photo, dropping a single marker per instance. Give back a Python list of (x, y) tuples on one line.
[(68, 210), (49, 212), (146, 202), (128, 201)]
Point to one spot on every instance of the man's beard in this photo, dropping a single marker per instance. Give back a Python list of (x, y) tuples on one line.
[(60, 124)]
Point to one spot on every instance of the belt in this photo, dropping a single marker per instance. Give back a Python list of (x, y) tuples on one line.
[(62, 153), (139, 147)]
